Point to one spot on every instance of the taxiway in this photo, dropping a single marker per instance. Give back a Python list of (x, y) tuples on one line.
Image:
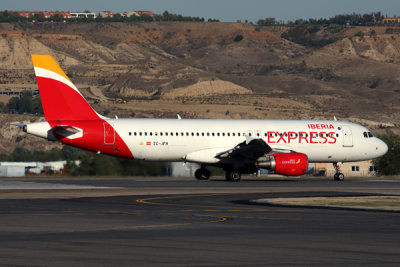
[(174, 221)]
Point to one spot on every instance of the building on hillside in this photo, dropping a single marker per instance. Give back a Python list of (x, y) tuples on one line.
[(143, 12), (106, 14), (46, 14), (76, 15), (349, 169), (392, 20)]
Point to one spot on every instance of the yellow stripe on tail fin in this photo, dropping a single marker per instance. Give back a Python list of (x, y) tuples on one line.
[(47, 62)]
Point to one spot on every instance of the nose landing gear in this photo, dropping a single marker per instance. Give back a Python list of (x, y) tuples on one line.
[(338, 175)]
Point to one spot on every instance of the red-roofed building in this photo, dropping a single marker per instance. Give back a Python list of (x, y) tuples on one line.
[(391, 20), (46, 14), (106, 14), (142, 12)]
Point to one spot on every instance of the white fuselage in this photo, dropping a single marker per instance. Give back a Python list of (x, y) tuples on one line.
[(199, 140)]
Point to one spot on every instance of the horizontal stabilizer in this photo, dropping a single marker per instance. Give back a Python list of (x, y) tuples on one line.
[(20, 125), (64, 131)]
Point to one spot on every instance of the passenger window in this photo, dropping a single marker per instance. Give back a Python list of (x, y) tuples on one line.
[(161, 133), (233, 134), (217, 134), (197, 134), (134, 133), (130, 133), (187, 134), (208, 134), (370, 134), (212, 134), (238, 134), (181, 133), (151, 133), (337, 135), (192, 133), (155, 133), (202, 134), (223, 134), (145, 133)]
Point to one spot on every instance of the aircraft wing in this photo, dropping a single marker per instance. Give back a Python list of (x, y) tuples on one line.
[(248, 151)]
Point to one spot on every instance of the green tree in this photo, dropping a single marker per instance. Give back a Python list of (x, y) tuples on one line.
[(26, 103), (389, 164)]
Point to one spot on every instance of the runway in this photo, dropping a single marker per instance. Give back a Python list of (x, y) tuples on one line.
[(182, 222)]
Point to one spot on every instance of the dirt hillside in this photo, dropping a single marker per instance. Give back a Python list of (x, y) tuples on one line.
[(199, 70)]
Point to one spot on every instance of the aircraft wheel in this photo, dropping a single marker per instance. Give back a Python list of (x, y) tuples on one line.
[(338, 177), (202, 174), (234, 176)]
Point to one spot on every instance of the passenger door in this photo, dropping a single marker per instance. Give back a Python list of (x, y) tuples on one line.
[(347, 136)]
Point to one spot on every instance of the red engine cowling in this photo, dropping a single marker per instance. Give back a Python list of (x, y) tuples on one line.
[(290, 164)]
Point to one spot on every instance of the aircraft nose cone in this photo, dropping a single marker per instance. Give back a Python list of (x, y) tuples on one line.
[(382, 148)]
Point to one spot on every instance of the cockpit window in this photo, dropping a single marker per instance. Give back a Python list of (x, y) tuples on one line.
[(365, 135), (370, 134)]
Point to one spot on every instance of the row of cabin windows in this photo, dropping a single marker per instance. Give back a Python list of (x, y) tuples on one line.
[(226, 134), (183, 134)]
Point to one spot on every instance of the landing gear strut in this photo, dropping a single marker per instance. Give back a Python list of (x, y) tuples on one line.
[(233, 176), (338, 175), (202, 174)]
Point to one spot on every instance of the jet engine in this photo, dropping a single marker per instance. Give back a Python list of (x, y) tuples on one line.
[(289, 164)]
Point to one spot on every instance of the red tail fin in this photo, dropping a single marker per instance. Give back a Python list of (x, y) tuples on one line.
[(61, 100)]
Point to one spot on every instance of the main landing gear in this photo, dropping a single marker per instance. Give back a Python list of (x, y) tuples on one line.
[(202, 174), (338, 175), (233, 176)]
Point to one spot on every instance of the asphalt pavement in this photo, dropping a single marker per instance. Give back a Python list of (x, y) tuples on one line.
[(182, 222)]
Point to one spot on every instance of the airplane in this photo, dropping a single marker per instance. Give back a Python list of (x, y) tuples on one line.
[(284, 147)]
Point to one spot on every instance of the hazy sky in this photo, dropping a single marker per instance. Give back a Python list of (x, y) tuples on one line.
[(225, 10)]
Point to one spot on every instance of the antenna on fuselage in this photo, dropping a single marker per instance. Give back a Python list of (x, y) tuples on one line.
[(334, 118), (179, 116)]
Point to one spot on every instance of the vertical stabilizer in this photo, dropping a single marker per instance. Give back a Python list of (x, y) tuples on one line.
[(61, 100)]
